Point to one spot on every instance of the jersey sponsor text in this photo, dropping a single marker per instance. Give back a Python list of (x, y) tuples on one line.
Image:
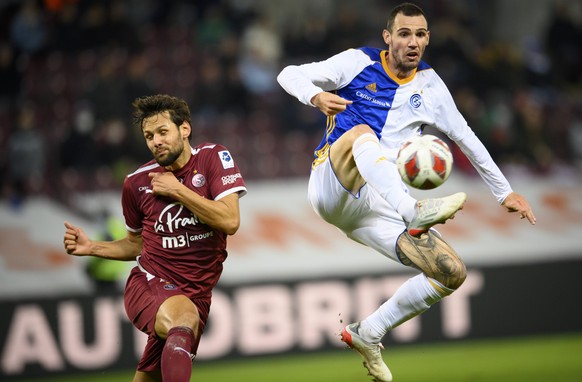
[(230, 179), (180, 241)]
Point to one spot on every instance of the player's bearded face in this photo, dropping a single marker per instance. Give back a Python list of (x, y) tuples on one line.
[(165, 156), (164, 139), (407, 43)]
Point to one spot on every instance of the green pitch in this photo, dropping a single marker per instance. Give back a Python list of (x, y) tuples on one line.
[(531, 359)]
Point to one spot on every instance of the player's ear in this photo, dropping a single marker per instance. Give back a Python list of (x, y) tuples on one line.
[(185, 130), (386, 36)]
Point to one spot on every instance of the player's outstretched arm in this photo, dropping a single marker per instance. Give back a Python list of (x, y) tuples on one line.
[(77, 243), (517, 203)]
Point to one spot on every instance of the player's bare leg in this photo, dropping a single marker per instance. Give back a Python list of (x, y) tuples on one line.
[(443, 272), (342, 159), (356, 158), (432, 255), (177, 322)]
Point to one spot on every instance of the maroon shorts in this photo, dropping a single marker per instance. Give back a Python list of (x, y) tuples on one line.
[(142, 300)]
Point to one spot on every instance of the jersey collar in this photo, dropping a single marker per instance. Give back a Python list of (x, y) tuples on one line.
[(399, 81)]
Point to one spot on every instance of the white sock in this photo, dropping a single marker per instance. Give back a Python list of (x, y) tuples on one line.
[(413, 297), (382, 175)]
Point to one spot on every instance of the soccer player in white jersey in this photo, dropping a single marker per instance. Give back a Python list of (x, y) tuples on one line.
[(375, 99)]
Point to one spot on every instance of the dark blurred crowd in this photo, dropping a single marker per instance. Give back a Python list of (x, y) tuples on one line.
[(70, 69)]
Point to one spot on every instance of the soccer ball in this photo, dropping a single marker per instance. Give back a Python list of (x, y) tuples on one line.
[(424, 162)]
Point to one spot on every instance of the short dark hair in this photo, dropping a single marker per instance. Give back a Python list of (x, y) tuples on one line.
[(407, 9), (148, 106)]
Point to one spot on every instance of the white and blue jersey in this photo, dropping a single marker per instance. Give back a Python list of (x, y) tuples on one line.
[(394, 108)]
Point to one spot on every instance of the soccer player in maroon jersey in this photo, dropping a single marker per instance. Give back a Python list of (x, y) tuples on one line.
[(179, 209)]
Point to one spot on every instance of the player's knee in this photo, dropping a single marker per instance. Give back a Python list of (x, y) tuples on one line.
[(176, 311), (189, 318), (450, 270), (433, 256)]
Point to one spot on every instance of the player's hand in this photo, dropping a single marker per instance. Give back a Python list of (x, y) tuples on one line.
[(76, 242), (329, 103), (517, 203), (164, 183)]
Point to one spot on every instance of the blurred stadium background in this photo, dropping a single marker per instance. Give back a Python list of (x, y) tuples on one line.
[(69, 70)]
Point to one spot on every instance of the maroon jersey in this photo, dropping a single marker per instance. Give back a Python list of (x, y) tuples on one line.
[(177, 246)]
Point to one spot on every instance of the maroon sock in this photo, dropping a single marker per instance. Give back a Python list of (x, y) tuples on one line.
[(176, 356)]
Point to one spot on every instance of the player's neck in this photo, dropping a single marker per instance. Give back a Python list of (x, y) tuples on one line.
[(182, 159), (395, 72), (398, 72)]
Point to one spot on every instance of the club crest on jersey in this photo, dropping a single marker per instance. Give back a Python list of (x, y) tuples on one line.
[(226, 159), (415, 100), (198, 180)]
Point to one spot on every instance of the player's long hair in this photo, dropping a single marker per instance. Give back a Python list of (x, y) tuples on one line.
[(148, 106)]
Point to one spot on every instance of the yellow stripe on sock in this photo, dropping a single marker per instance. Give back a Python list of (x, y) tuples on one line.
[(444, 291)]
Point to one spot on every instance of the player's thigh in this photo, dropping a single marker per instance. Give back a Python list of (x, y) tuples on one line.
[(152, 308), (176, 310), (380, 228), (365, 217), (342, 158), (331, 200)]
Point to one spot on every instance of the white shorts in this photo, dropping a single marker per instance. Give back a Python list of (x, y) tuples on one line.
[(366, 218)]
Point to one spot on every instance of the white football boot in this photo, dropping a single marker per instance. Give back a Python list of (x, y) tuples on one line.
[(430, 212), (370, 352)]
